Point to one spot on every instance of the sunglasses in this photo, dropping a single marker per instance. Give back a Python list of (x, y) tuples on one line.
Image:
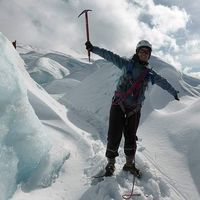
[(144, 51)]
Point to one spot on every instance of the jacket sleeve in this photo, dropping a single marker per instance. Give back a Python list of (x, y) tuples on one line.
[(111, 57), (163, 83)]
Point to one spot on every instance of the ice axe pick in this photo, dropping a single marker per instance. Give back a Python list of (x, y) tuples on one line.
[(87, 27)]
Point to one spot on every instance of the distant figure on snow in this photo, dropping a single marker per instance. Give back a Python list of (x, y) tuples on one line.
[(127, 102), (15, 44)]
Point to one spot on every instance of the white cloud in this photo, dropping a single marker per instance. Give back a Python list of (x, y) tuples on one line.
[(189, 55), (173, 60), (188, 70), (116, 25), (169, 20), (192, 45)]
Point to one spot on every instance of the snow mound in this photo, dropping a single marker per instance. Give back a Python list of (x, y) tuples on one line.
[(24, 145), (96, 91), (166, 124), (47, 70), (23, 140), (44, 62), (168, 134), (61, 86)]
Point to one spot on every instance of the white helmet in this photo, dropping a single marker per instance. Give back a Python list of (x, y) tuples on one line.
[(144, 43)]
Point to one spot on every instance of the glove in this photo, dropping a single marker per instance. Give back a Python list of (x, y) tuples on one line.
[(176, 96), (88, 46)]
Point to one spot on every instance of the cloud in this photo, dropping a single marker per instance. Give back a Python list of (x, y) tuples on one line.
[(116, 25), (189, 70), (189, 55), (169, 20)]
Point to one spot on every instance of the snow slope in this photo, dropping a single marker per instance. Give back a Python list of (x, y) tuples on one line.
[(168, 130), (55, 145)]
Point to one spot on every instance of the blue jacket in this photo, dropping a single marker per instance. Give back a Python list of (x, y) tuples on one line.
[(133, 69)]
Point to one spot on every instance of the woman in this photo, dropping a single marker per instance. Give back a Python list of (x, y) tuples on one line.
[(127, 102)]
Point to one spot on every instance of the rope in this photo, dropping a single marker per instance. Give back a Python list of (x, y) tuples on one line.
[(128, 196), (135, 85)]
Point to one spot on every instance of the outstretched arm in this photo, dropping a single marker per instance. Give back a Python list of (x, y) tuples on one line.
[(164, 84), (108, 55)]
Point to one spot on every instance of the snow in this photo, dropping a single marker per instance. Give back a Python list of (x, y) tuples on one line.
[(53, 130), (23, 141), (47, 70)]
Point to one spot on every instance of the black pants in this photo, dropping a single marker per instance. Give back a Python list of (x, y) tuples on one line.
[(118, 124)]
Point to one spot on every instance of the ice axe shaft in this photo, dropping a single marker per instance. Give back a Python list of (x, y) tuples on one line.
[(87, 28)]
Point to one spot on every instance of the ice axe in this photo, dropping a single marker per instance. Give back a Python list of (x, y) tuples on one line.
[(87, 27)]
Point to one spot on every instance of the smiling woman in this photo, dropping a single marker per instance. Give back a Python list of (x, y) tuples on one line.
[(144, 54), (143, 50)]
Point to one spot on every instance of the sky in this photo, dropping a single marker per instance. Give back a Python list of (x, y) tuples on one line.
[(171, 26)]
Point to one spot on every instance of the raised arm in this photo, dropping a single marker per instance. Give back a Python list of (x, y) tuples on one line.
[(108, 55), (164, 84)]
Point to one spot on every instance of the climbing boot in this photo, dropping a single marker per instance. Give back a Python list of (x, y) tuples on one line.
[(110, 167), (132, 169)]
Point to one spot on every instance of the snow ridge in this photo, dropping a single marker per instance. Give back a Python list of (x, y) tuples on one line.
[(54, 131)]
